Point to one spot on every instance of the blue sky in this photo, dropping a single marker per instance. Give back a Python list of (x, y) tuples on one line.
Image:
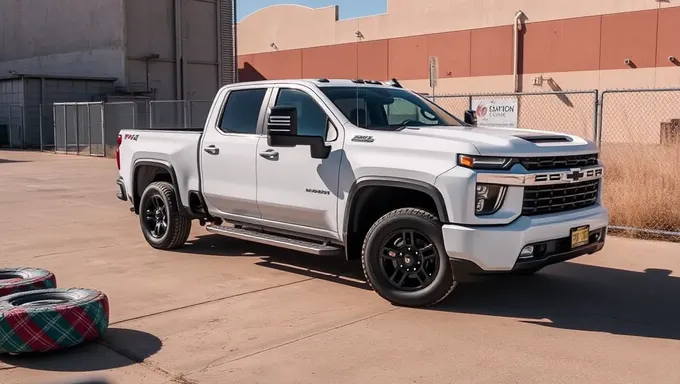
[(348, 8)]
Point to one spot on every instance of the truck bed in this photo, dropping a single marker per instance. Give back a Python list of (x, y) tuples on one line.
[(176, 149)]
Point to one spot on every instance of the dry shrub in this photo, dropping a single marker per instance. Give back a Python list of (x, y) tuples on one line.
[(642, 185)]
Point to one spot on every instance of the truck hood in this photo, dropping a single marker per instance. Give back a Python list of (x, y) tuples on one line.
[(507, 141)]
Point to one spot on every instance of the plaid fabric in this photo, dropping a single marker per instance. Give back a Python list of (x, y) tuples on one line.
[(39, 330), (9, 286)]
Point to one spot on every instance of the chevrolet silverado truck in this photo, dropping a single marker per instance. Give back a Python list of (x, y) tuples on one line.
[(369, 170)]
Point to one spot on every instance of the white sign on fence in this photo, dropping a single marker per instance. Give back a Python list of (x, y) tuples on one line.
[(434, 71), (501, 112)]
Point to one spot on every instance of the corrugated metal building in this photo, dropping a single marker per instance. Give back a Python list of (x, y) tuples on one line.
[(152, 49), (168, 49), (25, 101)]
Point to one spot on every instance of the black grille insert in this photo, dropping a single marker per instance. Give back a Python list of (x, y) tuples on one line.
[(544, 199), (558, 162)]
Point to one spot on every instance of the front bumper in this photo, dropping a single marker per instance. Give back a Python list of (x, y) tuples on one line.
[(492, 249), (122, 194)]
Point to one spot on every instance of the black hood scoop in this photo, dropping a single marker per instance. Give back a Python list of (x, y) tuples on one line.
[(540, 139)]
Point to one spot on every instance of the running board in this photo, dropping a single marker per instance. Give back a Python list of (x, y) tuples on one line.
[(275, 240)]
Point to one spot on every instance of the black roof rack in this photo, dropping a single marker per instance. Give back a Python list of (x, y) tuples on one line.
[(323, 80)]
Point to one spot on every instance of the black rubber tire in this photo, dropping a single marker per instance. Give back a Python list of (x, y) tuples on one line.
[(179, 226), (14, 280), (422, 221), (51, 319)]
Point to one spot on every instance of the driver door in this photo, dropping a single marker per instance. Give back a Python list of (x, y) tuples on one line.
[(292, 187)]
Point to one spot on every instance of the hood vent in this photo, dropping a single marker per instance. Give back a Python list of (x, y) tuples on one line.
[(539, 139)]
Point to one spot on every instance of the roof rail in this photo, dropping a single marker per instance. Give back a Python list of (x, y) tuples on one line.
[(323, 80)]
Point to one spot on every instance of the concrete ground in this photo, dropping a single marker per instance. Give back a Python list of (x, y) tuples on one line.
[(225, 311)]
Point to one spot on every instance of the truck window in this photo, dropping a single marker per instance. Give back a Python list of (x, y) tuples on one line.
[(242, 110), (311, 118), (387, 108)]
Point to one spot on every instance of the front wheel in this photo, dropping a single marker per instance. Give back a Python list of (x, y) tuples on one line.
[(404, 258), (162, 224)]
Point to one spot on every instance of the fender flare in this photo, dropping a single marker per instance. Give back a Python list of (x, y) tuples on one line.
[(173, 176), (388, 181)]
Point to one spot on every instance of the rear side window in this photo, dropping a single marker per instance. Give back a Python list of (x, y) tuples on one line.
[(242, 110)]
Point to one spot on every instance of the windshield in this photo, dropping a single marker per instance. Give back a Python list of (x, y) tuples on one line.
[(387, 108)]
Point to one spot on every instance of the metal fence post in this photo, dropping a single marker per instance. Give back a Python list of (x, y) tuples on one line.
[(89, 131), (77, 129), (65, 129), (595, 117), (102, 104), (598, 137), (54, 125)]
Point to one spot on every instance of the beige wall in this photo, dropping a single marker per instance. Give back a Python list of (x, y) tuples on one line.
[(570, 44), (293, 26)]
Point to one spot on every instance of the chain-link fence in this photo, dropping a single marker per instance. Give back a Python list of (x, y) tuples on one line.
[(572, 112), (639, 139), (638, 132), (79, 128)]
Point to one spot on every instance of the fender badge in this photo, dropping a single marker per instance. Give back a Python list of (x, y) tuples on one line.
[(363, 139)]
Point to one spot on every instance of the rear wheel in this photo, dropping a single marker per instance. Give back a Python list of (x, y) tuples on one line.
[(162, 224), (404, 258)]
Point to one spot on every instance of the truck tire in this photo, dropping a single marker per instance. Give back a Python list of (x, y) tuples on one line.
[(404, 259), (51, 319), (162, 224), (14, 280)]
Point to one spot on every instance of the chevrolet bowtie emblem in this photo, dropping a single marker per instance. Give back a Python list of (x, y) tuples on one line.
[(575, 175)]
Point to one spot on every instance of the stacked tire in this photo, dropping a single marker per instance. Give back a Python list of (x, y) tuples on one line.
[(36, 316)]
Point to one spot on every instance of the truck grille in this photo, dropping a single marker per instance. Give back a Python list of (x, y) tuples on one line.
[(544, 199), (558, 162)]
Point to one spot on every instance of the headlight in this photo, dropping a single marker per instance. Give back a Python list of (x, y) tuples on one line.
[(489, 198), (485, 162)]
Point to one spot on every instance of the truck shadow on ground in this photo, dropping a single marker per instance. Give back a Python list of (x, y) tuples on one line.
[(113, 351), (7, 161), (330, 268), (569, 295)]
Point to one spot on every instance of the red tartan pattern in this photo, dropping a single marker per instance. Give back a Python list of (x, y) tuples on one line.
[(47, 329), (10, 286), (34, 337)]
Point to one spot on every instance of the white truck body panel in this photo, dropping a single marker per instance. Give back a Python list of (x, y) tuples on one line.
[(283, 187)]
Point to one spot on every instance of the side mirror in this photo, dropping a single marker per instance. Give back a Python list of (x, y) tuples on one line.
[(282, 122), (471, 117), (282, 131)]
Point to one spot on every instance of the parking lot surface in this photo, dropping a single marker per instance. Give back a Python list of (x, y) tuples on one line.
[(227, 311)]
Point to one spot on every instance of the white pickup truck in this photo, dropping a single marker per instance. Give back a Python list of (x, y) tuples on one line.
[(370, 170)]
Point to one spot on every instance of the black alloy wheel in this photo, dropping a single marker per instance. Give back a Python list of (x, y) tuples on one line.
[(156, 216), (162, 223), (409, 260), (405, 260)]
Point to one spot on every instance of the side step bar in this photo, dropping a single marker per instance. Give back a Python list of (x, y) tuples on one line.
[(275, 240)]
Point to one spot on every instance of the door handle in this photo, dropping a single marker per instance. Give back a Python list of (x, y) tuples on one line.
[(270, 154), (211, 149)]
